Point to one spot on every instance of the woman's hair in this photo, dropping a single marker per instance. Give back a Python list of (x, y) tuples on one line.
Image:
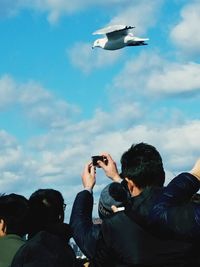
[(46, 208)]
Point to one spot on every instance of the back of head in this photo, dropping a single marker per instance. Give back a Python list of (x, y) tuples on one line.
[(112, 194), (46, 208), (142, 164), (14, 210)]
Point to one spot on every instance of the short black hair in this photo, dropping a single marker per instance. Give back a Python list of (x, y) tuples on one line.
[(14, 210), (46, 208), (142, 164)]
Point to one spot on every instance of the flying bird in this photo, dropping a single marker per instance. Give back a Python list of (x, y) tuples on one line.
[(117, 36)]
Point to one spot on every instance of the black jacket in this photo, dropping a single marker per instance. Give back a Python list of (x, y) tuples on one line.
[(45, 249), (84, 232), (126, 243)]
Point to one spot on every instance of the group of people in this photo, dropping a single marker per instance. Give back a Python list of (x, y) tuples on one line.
[(144, 224)]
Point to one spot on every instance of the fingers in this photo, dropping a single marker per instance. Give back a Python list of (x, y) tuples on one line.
[(92, 170), (108, 160), (88, 176), (114, 208), (108, 156), (101, 164)]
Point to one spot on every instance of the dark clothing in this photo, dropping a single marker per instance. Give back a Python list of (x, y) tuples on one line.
[(128, 244), (85, 233), (45, 249), (9, 245), (131, 245), (127, 238), (173, 212)]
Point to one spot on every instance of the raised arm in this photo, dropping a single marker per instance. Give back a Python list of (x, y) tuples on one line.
[(85, 233), (174, 211)]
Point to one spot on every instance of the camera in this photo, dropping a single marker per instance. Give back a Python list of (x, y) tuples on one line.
[(96, 158)]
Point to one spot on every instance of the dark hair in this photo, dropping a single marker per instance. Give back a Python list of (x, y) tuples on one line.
[(46, 208), (142, 164), (14, 211)]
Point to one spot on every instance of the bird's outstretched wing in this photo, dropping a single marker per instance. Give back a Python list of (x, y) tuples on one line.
[(114, 31)]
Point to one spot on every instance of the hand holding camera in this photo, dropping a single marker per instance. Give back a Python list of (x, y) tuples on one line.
[(96, 159), (108, 165), (89, 176)]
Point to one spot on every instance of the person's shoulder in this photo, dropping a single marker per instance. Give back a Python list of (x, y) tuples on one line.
[(42, 246), (116, 218)]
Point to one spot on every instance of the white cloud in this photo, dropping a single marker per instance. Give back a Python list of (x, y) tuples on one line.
[(178, 145), (74, 135), (140, 14), (53, 114), (58, 163), (170, 138), (176, 78), (38, 104), (186, 34), (8, 91), (13, 92), (83, 57), (32, 93), (54, 8), (151, 74)]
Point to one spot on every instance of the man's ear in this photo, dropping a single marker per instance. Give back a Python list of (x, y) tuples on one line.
[(2, 228), (130, 185), (134, 190)]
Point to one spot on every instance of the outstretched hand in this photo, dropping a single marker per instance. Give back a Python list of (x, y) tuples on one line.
[(110, 168), (196, 170), (89, 176)]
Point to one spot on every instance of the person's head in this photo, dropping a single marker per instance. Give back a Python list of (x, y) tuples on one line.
[(113, 194), (14, 212), (46, 208), (142, 166)]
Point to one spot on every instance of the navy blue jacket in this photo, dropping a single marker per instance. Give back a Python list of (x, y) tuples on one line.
[(173, 212), (84, 232)]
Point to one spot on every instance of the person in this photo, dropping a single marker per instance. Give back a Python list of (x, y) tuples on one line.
[(176, 212), (124, 234), (85, 232), (48, 234), (13, 226)]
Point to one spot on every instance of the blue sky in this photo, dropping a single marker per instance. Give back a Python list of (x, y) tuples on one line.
[(61, 101)]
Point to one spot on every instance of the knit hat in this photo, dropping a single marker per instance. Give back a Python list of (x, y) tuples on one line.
[(112, 194)]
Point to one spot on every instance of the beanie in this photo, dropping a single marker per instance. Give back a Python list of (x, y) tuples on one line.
[(112, 194)]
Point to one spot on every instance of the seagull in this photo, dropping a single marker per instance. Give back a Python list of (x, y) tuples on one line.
[(117, 37)]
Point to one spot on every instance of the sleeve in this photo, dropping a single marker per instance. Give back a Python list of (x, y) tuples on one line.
[(85, 233), (180, 189), (173, 211)]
